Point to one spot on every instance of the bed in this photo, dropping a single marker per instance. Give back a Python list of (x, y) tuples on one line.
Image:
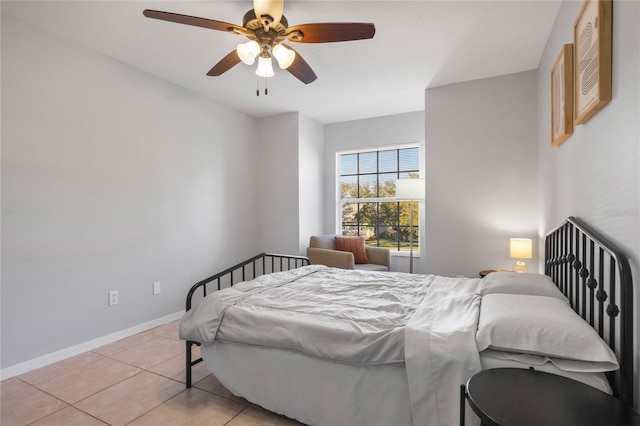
[(368, 348)]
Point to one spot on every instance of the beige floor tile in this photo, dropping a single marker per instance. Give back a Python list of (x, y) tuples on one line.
[(22, 404), (254, 416), (152, 352), (79, 377), (131, 398), (169, 330), (52, 371), (192, 407), (174, 368), (211, 384), (69, 417), (124, 344)]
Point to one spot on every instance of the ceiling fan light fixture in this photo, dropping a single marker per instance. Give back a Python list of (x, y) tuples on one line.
[(284, 56), (265, 69), (248, 51)]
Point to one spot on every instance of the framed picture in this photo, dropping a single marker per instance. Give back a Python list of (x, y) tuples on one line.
[(592, 58), (562, 96)]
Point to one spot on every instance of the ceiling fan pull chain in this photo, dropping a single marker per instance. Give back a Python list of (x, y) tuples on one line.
[(257, 86), (266, 89)]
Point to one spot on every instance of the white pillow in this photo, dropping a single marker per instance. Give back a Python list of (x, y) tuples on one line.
[(568, 365), (538, 325), (516, 283), (590, 373)]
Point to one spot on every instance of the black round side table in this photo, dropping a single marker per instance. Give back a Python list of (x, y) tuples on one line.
[(519, 397)]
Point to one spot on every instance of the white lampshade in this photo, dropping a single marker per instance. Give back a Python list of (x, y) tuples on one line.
[(410, 189), (521, 248), (272, 8), (265, 69), (283, 55), (248, 51)]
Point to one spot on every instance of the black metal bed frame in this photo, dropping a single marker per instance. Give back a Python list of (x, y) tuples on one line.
[(592, 272), (586, 267), (260, 264)]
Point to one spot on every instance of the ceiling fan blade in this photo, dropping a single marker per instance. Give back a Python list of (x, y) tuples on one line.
[(329, 32), (300, 69), (226, 63), (191, 20)]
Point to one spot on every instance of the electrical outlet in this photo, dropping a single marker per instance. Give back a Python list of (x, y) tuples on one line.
[(113, 297), (156, 288)]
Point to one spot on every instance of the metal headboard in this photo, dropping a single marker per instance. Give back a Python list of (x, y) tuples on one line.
[(596, 278)]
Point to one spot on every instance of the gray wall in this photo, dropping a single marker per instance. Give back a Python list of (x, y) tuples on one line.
[(289, 181), (481, 173), (310, 180), (595, 173), (111, 179), (277, 183)]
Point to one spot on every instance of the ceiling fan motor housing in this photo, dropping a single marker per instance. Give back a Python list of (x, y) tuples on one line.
[(256, 30)]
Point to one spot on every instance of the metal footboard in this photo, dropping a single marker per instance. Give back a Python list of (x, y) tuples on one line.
[(261, 264)]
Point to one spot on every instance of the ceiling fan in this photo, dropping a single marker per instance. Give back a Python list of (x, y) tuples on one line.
[(266, 28)]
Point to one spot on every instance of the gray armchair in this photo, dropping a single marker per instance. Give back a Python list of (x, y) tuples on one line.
[(322, 251)]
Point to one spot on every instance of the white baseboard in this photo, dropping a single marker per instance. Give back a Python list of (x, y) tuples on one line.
[(42, 361)]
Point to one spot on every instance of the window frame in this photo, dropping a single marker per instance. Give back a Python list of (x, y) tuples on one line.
[(340, 202)]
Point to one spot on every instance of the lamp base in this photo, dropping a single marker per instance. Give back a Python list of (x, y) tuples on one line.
[(520, 267)]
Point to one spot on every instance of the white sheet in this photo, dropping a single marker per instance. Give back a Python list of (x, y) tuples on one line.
[(312, 390), (441, 350)]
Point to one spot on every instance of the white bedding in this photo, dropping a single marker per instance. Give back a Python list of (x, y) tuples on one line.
[(312, 390), (319, 392), (357, 318), (340, 346), (343, 315)]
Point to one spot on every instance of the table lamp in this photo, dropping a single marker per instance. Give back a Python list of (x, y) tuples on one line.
[(520, 248)]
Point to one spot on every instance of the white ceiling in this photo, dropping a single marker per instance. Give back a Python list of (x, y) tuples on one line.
[(417, 45)]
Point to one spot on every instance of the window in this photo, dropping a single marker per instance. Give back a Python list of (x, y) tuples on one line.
[(367, 196)]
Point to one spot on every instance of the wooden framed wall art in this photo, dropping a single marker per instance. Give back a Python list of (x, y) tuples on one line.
[(562, 96), (592, 58)]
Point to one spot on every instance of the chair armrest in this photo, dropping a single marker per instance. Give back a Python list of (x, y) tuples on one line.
[(334, 258), (379, 256)]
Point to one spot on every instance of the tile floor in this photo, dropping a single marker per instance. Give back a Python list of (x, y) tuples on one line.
[(134, 381)]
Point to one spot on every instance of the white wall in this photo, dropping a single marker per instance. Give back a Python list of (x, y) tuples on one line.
[(481, 173), (595, 173), (277, 183), (369, 133), (311, 184), (111, 179), (290, 167)]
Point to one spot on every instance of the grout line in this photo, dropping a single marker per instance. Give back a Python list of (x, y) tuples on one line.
[(108, 387), (239, 412), (90, 415), (43, 391), (153, 408), (66, 353), (46, 393), (244, 405)]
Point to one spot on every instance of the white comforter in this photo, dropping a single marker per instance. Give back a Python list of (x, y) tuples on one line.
[(425, 321)]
